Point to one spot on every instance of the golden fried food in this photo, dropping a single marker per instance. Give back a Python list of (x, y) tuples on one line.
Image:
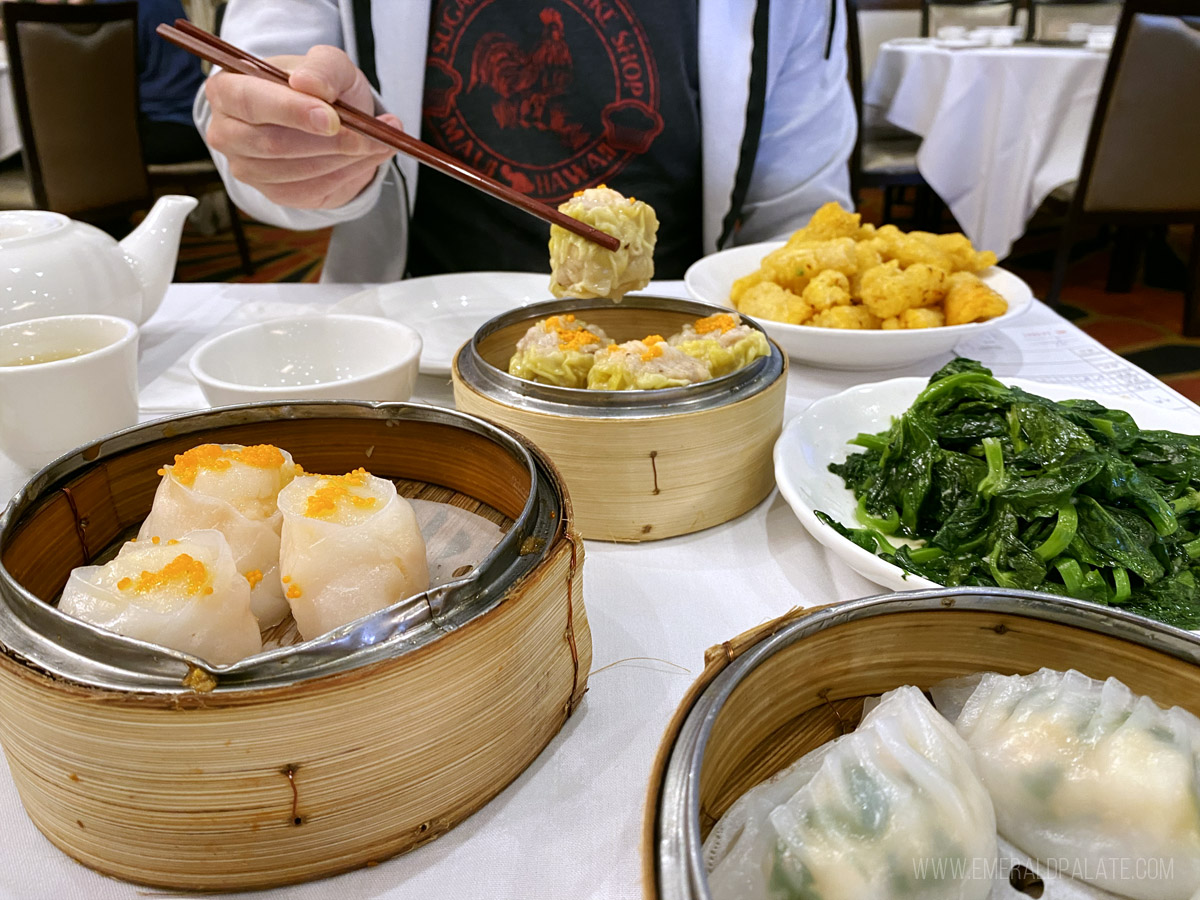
[(858, 317), (828, 289), (829, 222), (768, 300), (888, 290), (794, 266), (970, 300), (928, 317), (744, 284), (963, 257), (836, 272)]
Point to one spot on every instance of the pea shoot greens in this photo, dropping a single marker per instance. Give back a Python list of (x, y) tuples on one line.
[(1013, 490)]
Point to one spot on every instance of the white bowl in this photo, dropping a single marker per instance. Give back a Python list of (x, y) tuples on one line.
[(820, 435), (332, 357), (710, 279)]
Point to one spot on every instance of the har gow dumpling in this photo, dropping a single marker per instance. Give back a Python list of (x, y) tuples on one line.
[(350, 546), (558, 350), (580, 268), (232, 489), (1089, 774), (723, 341), (648, 364), (184, 594), (894, 809)]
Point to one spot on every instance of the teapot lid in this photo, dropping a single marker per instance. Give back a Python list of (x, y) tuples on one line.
[(19, 225)]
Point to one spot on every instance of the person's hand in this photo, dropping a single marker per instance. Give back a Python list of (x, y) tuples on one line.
[(292, 147)]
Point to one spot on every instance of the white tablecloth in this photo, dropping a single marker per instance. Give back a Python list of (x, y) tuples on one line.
[(1002, 127), (570, 826), (10, 135)]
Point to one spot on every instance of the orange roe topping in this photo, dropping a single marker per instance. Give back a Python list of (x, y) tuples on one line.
[(286, 578), (654, 347), (293, 592), (171, 543), (217, 459), (323, 502), (558, 323), (190, 576), (156, 539), (721, 322), (576, 340), (254, 576)]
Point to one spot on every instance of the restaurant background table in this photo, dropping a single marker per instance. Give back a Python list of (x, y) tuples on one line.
[(1001, 127), (10, 134), (570, 825)]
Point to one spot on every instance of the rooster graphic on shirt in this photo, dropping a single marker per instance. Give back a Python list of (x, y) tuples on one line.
[(527, 82)]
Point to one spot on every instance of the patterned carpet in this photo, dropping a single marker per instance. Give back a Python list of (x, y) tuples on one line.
[(1143, 326)]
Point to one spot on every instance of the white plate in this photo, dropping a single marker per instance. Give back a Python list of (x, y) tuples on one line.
[(447, 310), (818, 436), (711, 278)]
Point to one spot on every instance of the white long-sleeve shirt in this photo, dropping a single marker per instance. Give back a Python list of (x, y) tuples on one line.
[(804, 141)]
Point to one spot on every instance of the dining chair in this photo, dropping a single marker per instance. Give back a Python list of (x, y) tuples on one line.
[(936, 14), (1140, 162), (883, 156), (75, 83), (1050, 21)]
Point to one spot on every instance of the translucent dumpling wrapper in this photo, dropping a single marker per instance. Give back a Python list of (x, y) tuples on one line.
[(723, 341), (351, 546), (1087, 773), (184, 594), (558, 350), (234, 490), (580, 268), (645, 365), (893, 810)]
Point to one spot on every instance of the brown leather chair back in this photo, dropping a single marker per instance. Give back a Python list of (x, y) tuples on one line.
[(1144, 151), (75, 83)]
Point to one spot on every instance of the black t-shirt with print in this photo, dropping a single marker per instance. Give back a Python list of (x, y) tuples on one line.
[(551, 97)]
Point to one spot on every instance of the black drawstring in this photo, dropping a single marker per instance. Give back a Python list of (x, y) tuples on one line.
[(364, 41), (833, 7)]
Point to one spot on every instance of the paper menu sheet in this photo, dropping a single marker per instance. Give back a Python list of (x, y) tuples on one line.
[(1058, 352)]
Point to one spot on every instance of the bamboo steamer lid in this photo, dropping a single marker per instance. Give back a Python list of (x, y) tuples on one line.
[(769, 696), (308, 760), (640, 465)]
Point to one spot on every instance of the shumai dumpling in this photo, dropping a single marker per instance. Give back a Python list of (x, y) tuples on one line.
[(580, 268), (644, 365), (558, 350), (723, 341)]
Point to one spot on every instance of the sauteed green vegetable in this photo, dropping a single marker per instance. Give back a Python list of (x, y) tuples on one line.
[(1010, 489)]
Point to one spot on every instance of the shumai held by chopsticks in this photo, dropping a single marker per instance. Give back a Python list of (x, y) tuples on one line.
[(580, 268)]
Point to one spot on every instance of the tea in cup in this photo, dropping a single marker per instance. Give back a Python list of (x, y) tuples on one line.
[(65, 381)]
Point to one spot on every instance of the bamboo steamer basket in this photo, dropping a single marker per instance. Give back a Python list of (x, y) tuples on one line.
[(640, 465), (776, 692), (306, 760)]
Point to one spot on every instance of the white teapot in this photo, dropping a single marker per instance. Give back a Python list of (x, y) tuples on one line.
[(51, 265)]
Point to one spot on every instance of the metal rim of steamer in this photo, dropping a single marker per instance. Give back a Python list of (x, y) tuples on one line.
[(679, 863), (88, 655), (498, 385)]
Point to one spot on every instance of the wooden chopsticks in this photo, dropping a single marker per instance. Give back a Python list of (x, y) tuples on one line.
[(210, 47)]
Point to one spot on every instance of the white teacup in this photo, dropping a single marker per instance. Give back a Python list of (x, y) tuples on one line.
[(65, 381)]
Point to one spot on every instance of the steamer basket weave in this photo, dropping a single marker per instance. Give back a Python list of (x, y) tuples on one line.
[(640, 465), (307, 760), (774, 693)]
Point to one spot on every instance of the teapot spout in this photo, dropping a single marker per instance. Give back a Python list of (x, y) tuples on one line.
[(151, 249)]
